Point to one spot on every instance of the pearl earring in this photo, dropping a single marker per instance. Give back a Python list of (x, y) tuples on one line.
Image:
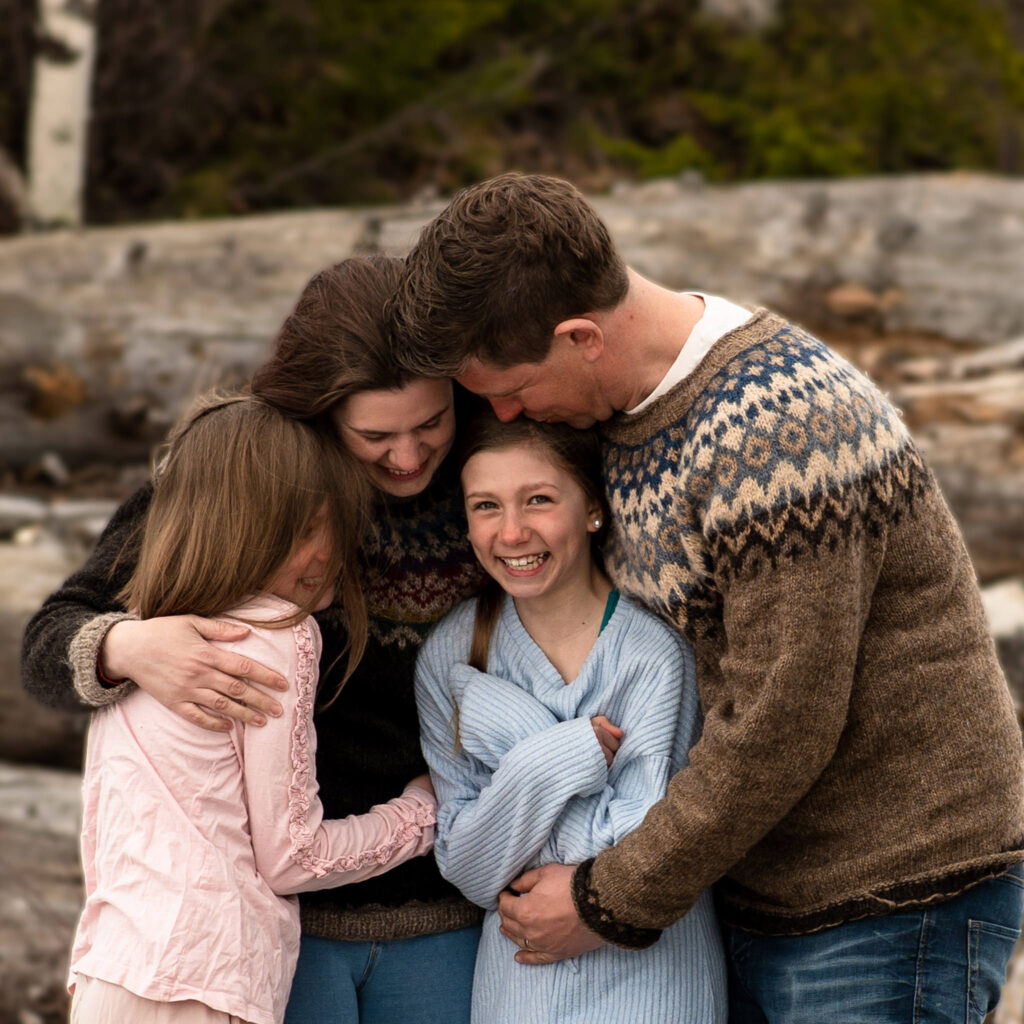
[(597, 524)]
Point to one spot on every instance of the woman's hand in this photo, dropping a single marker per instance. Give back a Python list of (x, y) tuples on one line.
[(608, 735), (171, 660)]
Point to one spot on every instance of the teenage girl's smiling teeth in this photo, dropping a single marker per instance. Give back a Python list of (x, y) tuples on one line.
[(524, 565)]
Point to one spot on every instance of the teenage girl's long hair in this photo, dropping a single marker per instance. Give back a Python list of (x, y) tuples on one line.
[(577, 452), (238, 488)]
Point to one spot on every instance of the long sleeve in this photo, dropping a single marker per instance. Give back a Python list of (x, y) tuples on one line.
[(491, 824), (296, 848), (780, 515), (62, 640)]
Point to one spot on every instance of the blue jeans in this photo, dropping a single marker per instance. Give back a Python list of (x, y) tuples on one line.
[(940, 964), (423, 980)]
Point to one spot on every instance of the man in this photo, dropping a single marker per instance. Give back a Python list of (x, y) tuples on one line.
[(857, 792)]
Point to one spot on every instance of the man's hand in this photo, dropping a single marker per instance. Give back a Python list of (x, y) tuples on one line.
[(169, 657), (542, 920)]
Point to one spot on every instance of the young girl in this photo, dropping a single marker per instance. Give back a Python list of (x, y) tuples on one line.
[(554, 713), (191, 837)]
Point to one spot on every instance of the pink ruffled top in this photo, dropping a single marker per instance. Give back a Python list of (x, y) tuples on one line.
[(193, 840)]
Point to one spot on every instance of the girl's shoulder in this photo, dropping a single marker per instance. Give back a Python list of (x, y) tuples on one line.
[(267, 641), (449, 639), (635, 624)]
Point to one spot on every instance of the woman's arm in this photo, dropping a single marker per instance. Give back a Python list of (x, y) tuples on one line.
[(82, 626), (296, 849)]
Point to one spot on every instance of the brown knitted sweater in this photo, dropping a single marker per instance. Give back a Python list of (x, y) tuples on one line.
[(859, 750)]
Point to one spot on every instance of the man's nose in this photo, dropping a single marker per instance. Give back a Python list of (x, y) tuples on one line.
[(506, 409)]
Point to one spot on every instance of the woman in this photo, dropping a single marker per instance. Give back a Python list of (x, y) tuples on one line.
[(371, 951)]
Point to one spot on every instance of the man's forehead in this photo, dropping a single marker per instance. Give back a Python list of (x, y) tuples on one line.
[(494, 381)]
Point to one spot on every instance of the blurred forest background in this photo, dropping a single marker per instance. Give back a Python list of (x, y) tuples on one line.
[(856, 165), (219, 107)]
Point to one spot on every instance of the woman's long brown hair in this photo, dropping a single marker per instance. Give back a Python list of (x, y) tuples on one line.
[(238, 488)]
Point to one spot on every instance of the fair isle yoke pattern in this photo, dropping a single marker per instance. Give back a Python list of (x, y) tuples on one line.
[(418, 564), (786, 450)]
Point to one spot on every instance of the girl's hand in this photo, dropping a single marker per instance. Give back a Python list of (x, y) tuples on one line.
[(608, 735), (170, 659), (422, 782)]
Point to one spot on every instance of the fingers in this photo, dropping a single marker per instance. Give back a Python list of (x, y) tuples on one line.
[(234, 664), (525, 882), (230, 699), (609, 727), (422, 782), (200, 716), (536, 957), (527, 953), (233, 696)]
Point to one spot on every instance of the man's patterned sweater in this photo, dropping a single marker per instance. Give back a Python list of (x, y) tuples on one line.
[(859, 749)]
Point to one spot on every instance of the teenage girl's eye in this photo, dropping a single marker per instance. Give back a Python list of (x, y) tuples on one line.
[(539, 499), (482, 506)]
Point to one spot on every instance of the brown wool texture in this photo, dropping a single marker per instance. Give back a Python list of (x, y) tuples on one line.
[(860, 750)]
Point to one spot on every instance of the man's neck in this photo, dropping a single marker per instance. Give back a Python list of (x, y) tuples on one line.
[(646, 333)]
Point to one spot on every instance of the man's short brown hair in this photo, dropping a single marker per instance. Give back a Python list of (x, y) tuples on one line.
[(497, 270)]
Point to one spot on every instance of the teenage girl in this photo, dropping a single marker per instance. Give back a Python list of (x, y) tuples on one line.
[(192, 838), (554, 712)]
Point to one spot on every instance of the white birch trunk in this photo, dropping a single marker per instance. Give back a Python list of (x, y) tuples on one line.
[(59, 116), (753, 15)]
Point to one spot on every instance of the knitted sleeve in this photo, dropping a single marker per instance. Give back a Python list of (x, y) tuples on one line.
[(785, 495), (492, 823), (62, 640)]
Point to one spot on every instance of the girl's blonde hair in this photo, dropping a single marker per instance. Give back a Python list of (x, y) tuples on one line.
[(238, 487)]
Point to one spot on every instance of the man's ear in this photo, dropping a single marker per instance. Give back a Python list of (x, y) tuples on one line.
[(583, 334)]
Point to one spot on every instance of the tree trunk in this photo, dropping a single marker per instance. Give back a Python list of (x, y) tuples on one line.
[(59, 117)]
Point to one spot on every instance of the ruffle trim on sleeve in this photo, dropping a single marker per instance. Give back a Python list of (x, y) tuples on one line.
[(602, 921), (299, 832), (83, 657)]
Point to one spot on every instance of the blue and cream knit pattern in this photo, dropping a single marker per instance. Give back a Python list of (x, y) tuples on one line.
[(525, 783), (787, 450)]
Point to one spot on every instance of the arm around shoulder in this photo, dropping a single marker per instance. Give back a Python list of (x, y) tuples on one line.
[(62, 641)]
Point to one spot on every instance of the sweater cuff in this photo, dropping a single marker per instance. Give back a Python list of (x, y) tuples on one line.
[(83, 657), (601, 921)]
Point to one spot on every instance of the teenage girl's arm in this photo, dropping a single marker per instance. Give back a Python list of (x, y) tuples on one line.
[(82, 626), (502, 727), (492, 823), (296, 848)]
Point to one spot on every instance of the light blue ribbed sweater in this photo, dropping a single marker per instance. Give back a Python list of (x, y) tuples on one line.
[(529, 786)]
